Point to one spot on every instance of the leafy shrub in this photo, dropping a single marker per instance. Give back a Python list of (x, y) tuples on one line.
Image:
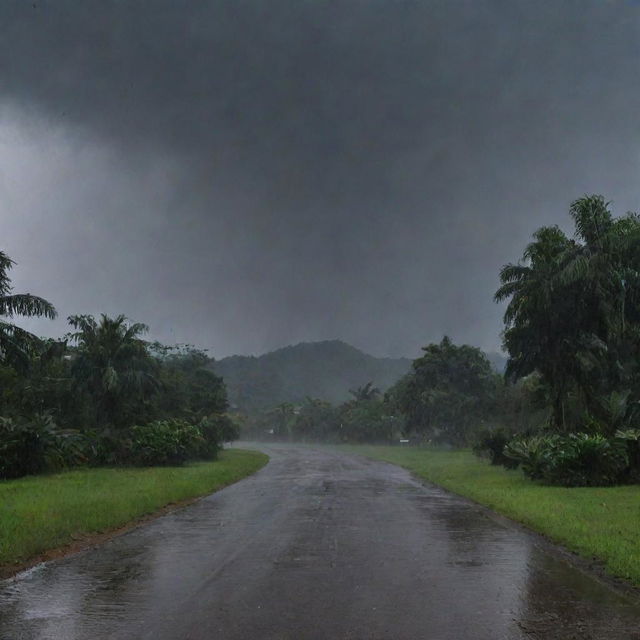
[(490, 443), (631, 439), (164, 442), (533, 454), (589, 460), (211, 428), (576, 460), (35, 445)]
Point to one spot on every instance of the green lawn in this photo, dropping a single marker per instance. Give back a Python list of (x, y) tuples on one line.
[(41, 513), (600, 523)]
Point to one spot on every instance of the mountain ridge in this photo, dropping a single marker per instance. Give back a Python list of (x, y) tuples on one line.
[(325, 369)]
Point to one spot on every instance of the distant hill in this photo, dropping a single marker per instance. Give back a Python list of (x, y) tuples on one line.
[(325, 370)]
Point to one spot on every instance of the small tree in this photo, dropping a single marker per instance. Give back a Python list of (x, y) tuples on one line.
[(113, 367), (449, 390)]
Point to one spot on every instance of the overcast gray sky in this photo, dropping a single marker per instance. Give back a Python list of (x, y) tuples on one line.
[(244, 174)]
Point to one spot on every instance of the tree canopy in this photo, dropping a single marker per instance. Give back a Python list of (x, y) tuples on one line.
[(573, 312)]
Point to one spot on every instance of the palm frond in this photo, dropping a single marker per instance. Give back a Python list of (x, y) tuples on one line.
[(17, 345), (24, 304)]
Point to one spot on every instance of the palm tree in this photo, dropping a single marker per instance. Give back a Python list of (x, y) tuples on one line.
[(16, 344), (283, 416), (574, 307), (365, 393), (112, 364), (605, 265), (540, 318)]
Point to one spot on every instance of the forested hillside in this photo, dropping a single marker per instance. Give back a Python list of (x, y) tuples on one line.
[(325, 370)]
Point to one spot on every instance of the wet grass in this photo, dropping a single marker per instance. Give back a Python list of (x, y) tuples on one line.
[(598, 523), (41, 513)]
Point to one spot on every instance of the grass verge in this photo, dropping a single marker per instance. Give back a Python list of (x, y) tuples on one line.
[(602, 524), (40, 513)]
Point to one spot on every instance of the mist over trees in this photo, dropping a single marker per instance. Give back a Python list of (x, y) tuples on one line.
[(567, 406), (326, 369), (101, 394), (445, 397)]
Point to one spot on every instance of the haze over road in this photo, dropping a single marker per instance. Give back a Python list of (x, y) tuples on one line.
[(317, 545)]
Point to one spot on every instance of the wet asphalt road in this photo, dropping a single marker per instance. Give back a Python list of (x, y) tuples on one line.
[(317, 545)]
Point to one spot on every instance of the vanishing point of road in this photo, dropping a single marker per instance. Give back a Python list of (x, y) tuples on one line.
[(318, 545)]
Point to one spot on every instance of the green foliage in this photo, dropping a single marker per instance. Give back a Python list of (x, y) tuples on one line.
[(35, 445), (112, 366), (573, 316), (367, 418), (189, 388), (216, 429), (490, 443), (317, 421), (533, 454), (16, 344), (164, 442), (323, 370), (77, 400), (631, 439), (449, 391), (575, 460)]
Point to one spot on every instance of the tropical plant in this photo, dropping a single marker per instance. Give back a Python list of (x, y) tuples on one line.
[(189, 388), (490, 443), (533, 454), (367, 420), (16, 344), (539, 319), (282, 418), (365, 392), (165, 442), (317, 420), (112, 365), (631, 439), (573, 312), (450, 390), (576, 460), (36, 444)]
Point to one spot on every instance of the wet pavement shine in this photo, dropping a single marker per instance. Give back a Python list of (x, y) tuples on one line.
[(318, 545)]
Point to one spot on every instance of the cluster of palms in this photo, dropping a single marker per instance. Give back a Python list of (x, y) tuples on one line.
[(573, 317), (366, 417), (101, 380)]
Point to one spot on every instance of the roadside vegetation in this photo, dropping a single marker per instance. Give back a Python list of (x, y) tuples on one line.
[(40, 513), (566, 411), (101, 427), (599, 523), (101, 395), (556, 436)]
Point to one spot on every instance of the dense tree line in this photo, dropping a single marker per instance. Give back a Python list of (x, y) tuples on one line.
[(102, 394), (573, 321), (326, 369), (449, 394), (568, 405), (573, 316), (566, 409)]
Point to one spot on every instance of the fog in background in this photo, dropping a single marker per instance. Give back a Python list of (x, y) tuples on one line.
[(243, 175)]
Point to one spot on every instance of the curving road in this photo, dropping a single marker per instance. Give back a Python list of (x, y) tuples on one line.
[(317, 545)]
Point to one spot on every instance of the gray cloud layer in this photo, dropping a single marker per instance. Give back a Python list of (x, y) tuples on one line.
[(244, 174)]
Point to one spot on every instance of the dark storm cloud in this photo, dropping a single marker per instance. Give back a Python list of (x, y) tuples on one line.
[(244, 174)]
